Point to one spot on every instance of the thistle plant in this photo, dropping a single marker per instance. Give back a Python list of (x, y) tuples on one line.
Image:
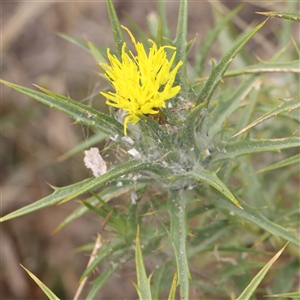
[(184, 146)]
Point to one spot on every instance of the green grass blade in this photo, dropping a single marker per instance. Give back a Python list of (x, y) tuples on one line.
[(160, 275), (96, 138), (106, 195), (286, 162), (282, 15), (154, 26), (138, 33), (219, 70), (285, 105), (79, 112), (249, 290), (81, 43), (116, 27), (208, 236), (106, 251), (78, 42), (181, 45), (252, 146), (99, 282), (178, 234), (211, 38), (247, 111), (143, 283), (97, 54), (254, 191), (159, 34), (112, 217), (42, 286), (281, 181), (256, 217), (163, 18)]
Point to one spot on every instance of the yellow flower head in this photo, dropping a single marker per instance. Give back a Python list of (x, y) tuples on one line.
[(142, 82)]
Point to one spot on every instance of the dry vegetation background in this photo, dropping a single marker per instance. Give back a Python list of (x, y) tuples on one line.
[(33, 136)]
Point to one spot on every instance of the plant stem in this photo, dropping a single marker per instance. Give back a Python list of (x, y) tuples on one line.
[(177, 211)]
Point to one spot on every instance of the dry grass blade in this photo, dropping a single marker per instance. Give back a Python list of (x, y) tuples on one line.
[(286, 105), (97, 247)]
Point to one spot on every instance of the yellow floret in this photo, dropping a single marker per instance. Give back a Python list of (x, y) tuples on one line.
[(142, 82)]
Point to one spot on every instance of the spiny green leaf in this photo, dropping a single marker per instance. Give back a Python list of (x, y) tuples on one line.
[(209, 177), (68, 193), (295, 295), (55, 198), (115, 26), (257, 218), (282, 15), (266, 67), (285, 105), (252, 146), (219, 70), (116, 172), (143, 283), (286, 162), (78, 111), (42, 286), (83, 112), (249, 290)]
